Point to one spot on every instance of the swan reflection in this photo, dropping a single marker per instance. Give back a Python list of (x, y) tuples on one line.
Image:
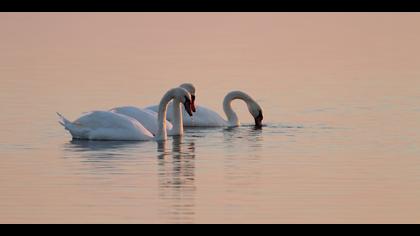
[(176, 174), (91, 145), (102, 157), (250, 136), (175, 169)]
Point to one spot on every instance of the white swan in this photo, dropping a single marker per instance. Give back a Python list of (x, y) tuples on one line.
[(148, 118), (106, 125), (205, 117)]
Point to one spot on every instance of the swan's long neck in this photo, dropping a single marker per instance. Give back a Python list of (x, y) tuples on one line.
[(227, 106), (163, 107), (177, 122)]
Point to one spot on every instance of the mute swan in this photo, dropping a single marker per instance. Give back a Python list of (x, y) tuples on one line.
[(148, 118), (106, 125), (205, 117)]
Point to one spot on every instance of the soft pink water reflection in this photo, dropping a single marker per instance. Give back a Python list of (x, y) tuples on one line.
[(340, 93)]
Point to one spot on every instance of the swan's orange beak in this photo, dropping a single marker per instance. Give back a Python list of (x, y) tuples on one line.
[(258, 119), (188, 106), (193, 103)]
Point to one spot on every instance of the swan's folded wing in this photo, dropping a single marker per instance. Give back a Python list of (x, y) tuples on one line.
[(203, 117), (147, 118)]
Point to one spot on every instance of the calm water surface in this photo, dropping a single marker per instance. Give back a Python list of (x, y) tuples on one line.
[(341, 100)]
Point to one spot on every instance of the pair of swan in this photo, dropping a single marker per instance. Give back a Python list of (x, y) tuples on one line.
[(136, 124), (149, 118)]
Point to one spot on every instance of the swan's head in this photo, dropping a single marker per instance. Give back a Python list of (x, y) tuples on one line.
[(257, 112), (185, 97), (191, 89)]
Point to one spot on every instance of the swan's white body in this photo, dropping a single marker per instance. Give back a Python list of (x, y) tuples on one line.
[(104, 125), (205, 117), (107, 125), (148, 118)]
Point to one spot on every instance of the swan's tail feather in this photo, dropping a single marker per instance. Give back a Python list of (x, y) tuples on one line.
[(75, 130), (63, 121)]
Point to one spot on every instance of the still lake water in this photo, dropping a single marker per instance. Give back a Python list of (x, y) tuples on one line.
[(341, 100)]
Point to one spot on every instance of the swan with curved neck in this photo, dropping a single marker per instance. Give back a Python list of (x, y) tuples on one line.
[(253, 108), (149, 119), (107, 125), (177, 122), (205, 117)]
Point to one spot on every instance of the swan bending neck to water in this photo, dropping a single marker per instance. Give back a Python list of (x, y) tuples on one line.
[(252, 105), (107, 125)]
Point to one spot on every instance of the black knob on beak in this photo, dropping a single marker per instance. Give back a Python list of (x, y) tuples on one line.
[(188, 106), (258, 119)]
